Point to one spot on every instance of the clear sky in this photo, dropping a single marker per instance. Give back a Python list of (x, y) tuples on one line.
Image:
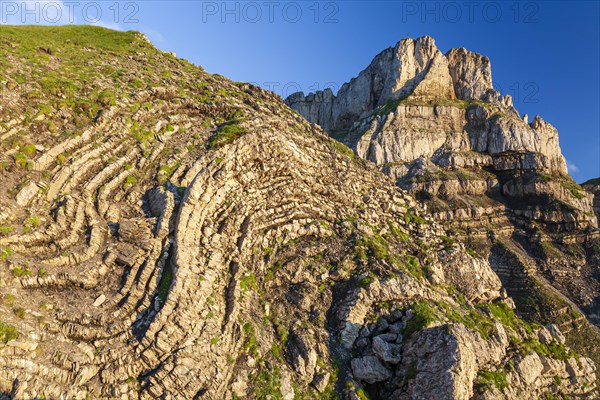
[(545, 54)]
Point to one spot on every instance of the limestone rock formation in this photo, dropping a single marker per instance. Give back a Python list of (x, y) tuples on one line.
[(168, 233), (413, 66), (413, 102), (471, 74), (497, 180)]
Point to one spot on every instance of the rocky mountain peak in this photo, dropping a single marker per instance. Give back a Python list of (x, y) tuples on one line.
[(415, 68), (413, 109)]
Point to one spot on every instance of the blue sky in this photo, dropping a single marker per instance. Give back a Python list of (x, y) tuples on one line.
[(545, 54)]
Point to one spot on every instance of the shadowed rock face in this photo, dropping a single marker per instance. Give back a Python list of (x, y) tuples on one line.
[(167, 233), (593, 186)]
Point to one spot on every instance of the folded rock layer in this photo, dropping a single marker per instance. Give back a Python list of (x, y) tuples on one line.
[(168, 233)]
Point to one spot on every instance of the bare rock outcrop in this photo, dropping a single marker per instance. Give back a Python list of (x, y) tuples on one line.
[(471, 74)]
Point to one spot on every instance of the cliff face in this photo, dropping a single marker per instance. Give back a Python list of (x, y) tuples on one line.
[(452, 94), (415, 110), (167, 233), (494, 178)]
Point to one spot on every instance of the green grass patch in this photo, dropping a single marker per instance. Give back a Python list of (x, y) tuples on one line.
[(20, 312), (130, 180), (361, 394), (29, 150), (472, 318), (225, 135), (7, 333), (6, 229), (248, 282), (595, 181), (508, 318), (397, 232), (20, 272), (266, 383), (342, 149), (447, 241), (32, 223), (20, 160), (555, 350), (165, 285), (423, 315), (107, 98), (250, 342), (374, 246), (486, 379), (413, 266), (413, 218), (5, 252)]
